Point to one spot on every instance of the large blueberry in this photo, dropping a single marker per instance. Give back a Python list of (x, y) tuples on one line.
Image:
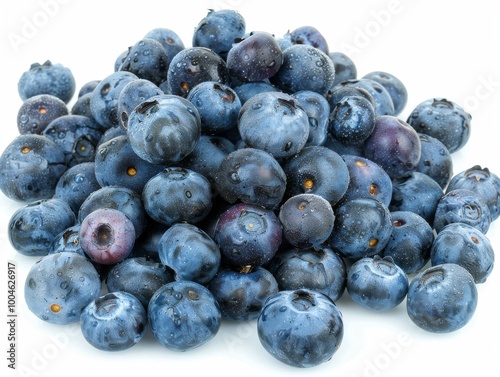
[(38, 111)]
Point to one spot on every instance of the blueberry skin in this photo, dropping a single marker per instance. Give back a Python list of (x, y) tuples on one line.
[(466, 246), (442, 299), (383, 103), (317, 170), (59, 286), (190, 252), (116, 164), (377, 283), (33, 228), (256, 58), (444, 120), (82, 107), (88, 87), (177, 194), (114, 322), (170, 41), (274, 122), (47, 78), (241, 294), (246, 90), (76, 184), (394, 145), (148, 60), (318, 110), (68, 240), (319, 268), (482, 181), (305, 68), (107, 236), (362, 228), (218, 106), (411, 241), (345, 68), (192, 66), (462, 206), (30, 167), (394, 86), (307, 220), (345, 89), (164, 129), (309, 35), (302, 328), (252, 176), (138, 276), (367, 179), (435, 160), (111, 133), (38, 111), (248, 235), (218, 30), (184, 315), (417, 193), (343, 149)]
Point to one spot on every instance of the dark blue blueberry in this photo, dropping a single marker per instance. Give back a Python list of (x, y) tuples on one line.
[(255, 58), (435, 160), (466, 246), (114, 322), (59, 286), (307, 220), (192, 66), (377, 283), (146, 245), (177, 194), (443, 119), (338, 93), (411, 241), (47, 78), (302, 328), (218, 106), (88, 87), (309, 35), (252, 176), (82, 107), (121, 198), (318, 268), (305, 68), (274, 122), (345, 68), (442, 298), (417, 193), (394, 145), (341, 148), (462, 206), (148, 60), (190, 252), (68, 240), (367, 179), (119, 60), (164, 129), (394, 86), (248, 235), (38, 111), (482, 181), (138, 276), (317, 170), (285, 41), (218, 30), (352, 120), (383, 103), (116, 164), (111, 133), (246, 90), (170, 41), (33, 228), (362, 228), (77, 135), (184, 315), (318, 110), (241, 293), (30, 167)]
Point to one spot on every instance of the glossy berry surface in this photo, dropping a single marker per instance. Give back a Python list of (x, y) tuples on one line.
[(345, 67), (382, 101), (352, 120), (435, 160), (38, 111), (394, 86), (318, 110), (309, 35)]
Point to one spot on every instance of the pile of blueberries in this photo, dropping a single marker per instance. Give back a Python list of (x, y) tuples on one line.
[(248, 177)]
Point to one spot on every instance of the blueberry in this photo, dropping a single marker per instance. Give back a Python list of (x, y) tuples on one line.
[(442, 298), (318, 110), (88, 87), (383, 103), (47, 78), (30, 167), (68, 240), (246, 90), (38, 111), (59, 286), (394, 86), (114, 322), (184, 315), (377, 283), (82, 107), (248, 235), (302, 328), (309, 35), (435, 160), (241, 293), (343, 149), (146, 245), (338, 92), (190, 252), (169, 39), (107, 236), (111, 133), (33, 228), (345, 68), (252, 176)]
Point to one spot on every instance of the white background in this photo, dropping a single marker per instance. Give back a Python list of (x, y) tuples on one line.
[(438, 49)]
